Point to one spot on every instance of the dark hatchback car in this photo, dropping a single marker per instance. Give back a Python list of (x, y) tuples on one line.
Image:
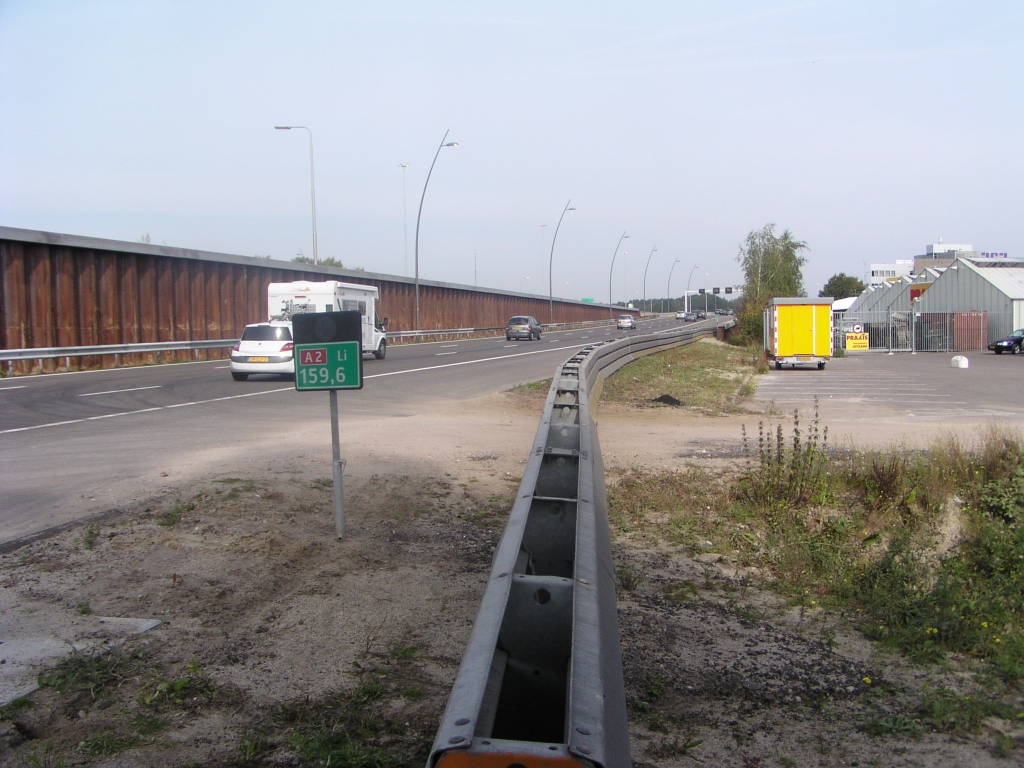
[(522, 327), (1010, 344)]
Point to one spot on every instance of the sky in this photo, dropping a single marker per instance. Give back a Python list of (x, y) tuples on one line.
[(868, 129)]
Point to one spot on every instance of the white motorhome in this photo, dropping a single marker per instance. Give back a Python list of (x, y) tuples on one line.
[(287, 299)]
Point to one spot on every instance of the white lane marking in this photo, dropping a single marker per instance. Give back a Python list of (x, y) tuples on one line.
[(511, 345), (20, 386), (118, 391), (143, 410), (449, 345), (438, 354), (272, 391), (469, 362), (221, 367)]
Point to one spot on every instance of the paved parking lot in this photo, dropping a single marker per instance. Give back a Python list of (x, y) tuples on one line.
[(881, 397)]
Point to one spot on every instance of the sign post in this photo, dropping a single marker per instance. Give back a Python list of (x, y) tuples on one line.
[(329, 356)]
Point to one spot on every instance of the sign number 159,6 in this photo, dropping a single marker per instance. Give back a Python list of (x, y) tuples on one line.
[(329, 365), (314, 376)]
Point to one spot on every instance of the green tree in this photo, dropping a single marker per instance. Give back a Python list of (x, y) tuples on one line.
[(842, 286), (771, 267), (327, 261)]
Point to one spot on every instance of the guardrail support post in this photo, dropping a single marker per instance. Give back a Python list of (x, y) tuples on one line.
[(339, 468)]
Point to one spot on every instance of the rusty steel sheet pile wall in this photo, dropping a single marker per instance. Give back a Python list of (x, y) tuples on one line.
[(62, 291)]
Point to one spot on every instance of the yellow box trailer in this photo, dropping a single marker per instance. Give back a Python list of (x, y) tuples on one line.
[(798, 331)]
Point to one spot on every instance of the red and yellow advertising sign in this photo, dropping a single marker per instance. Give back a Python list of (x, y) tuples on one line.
[(856, 341)]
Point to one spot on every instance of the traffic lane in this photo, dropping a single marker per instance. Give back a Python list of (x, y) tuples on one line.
[(54, 475), (144, 399), (60, 397), (94, 394), (57, 398)]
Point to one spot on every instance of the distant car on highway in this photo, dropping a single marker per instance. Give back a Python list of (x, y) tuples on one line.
[(625, 323), (680, 315), (727, 312), (522, 327), (1010, 344), (701, 314), (689, 317), (264, 348)]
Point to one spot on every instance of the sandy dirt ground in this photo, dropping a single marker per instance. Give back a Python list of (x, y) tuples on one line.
[(266, 619)]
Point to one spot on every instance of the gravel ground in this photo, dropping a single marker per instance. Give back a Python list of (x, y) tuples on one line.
[(272, 622)]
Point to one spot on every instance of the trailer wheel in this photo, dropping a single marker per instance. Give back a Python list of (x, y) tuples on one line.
[(382, 350), (778, 366), (821, 366)]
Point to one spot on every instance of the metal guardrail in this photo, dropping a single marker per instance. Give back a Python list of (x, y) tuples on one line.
[(541, 678), (43, 353), (496, 330)]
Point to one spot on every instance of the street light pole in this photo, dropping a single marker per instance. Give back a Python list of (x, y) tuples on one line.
[(419, 214), (312, 186), (611, 269), (405, 223), (645, 275), (668, 289), (686, 297), (551, 261)]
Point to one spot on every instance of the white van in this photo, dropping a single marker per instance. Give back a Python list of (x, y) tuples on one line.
[(287, 299)]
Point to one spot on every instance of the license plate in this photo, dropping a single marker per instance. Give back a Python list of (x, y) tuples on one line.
[(259, 359), (798, 357)]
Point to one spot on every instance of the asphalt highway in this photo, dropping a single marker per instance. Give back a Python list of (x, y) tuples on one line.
[(73, 445)]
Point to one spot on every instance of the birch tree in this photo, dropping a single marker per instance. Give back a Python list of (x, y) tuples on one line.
[(771, 268)]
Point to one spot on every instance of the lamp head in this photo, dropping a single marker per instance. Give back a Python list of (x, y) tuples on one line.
[(570, 209), (282, 127), (452, 144)]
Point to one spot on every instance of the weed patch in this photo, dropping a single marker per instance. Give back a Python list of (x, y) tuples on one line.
[(106, 744), (859, 532), (94, 673)]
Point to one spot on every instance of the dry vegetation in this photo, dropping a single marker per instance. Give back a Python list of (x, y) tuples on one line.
[(707, 377)]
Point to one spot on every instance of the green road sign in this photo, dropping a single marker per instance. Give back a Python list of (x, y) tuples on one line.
[(329, 365), (587, 300)]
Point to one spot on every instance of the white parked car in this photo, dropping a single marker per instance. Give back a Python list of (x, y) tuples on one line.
[(264, 348)]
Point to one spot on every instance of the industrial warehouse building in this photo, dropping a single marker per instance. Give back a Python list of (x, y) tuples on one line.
[(956, 308)]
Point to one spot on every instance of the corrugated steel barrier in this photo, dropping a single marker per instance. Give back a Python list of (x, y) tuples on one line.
[(540, 682), (61, 290)]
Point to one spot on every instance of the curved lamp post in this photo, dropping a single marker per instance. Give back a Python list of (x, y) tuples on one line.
[(645, 275), (611, 269), (686, 296), (551, 261), (405, 225), (312, 187), (668, 289), (419, 214)]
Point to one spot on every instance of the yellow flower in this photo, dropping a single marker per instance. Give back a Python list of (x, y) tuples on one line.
[(996, 639), (984, 624), (867, 680)]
